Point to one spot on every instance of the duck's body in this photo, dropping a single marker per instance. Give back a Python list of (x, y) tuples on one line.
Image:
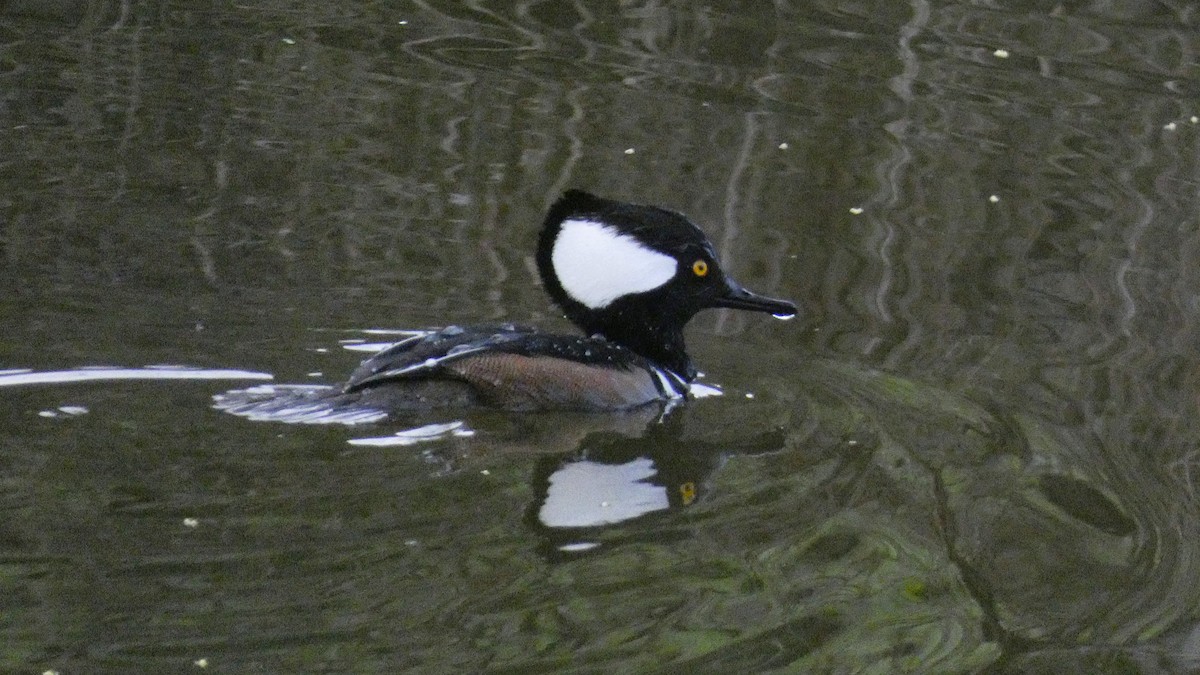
[(517, 368), (630, 276)]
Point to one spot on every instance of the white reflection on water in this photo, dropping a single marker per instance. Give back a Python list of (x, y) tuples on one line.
[(429, 432), (361, 345), (371, 347), (65, 410), (698, 390), (10, 378)]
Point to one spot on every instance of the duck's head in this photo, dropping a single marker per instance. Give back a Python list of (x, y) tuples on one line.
[(636, 275)]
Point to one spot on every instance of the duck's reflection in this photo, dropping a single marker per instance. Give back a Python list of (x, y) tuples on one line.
[(610, 479)]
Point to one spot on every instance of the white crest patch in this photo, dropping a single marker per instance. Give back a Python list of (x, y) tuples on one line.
[(596, 264)]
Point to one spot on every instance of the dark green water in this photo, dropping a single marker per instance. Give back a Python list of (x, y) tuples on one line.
[(975, 450)]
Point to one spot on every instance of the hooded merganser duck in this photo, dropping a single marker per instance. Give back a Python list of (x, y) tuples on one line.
[(630, 276)]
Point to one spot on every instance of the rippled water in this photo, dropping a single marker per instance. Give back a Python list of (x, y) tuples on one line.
[(974, 451)]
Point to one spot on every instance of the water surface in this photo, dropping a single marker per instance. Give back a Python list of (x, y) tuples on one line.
[(973, 451)]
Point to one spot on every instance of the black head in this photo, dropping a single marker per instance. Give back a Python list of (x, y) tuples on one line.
[(636, 275)]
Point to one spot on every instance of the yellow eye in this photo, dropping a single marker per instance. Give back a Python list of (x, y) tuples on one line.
[(700, 268), (687, 493)]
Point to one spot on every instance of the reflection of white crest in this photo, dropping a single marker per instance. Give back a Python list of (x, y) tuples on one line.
[(586, 494), (596, 264)]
